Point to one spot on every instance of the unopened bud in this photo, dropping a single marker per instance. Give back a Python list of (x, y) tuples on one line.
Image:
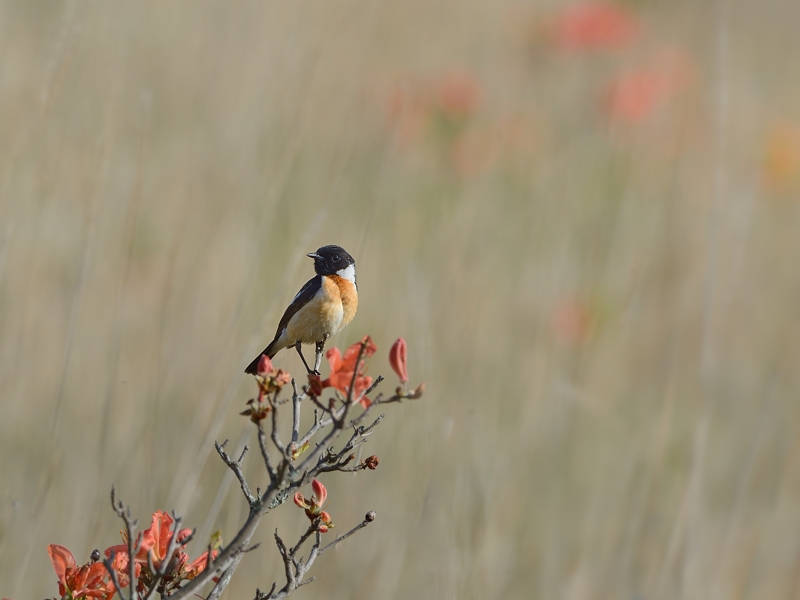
[(370, 516), (417, 393), (95, 556), (371, 462)]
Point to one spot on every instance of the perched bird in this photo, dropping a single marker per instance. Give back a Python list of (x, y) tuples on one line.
[(323, 306)]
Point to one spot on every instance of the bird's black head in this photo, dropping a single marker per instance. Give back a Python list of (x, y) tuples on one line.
[(330, 260)]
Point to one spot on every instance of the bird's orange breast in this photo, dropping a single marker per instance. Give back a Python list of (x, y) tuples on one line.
[(349, 297)]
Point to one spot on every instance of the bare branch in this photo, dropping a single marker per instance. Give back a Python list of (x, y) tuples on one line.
[(288, 562), (236, 467), (112, 574), (375, 384), (262, 596), (224, 579), (311, 529), (262, 442), (124, 513), (368, 518), (273, 400), (296, 399)]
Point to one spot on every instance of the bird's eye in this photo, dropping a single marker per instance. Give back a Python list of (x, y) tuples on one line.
[(336, 258)]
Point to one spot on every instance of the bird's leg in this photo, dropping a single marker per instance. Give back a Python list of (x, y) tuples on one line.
[(297, 346), (318, 357)]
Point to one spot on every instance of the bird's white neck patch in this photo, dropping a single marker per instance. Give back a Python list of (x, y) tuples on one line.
[(349, 273)]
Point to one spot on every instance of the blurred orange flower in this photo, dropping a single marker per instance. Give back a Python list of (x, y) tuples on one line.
[(416, 106), (572, 321), (458, 94), (636, 95), (408, 111), (782, 156), (595, 26)]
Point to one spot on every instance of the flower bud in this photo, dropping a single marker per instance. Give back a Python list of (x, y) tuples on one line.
[(320, 493), (397, 359), (264, 365)]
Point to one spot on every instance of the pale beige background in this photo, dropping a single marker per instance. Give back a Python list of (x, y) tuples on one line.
[(605, 313)]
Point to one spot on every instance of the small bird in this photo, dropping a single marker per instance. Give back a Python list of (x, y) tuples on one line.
[(324, 305)]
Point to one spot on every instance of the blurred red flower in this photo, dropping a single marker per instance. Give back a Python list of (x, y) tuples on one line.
[(458, 94), (595, 26), (269, 378), (572, 321), (408, 111), (635, 96)]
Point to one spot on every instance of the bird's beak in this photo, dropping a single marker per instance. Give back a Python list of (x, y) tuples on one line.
[(314, 256)]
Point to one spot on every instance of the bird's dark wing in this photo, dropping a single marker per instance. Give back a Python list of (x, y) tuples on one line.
[(303, 297)]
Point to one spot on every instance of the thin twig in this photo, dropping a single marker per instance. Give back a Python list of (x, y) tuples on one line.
[(296, 398), (311, 529), (273, 400), (112, 574), (262, 596), (124, 513), (369, 518), (236, 467), (224, 579), (262, 442)]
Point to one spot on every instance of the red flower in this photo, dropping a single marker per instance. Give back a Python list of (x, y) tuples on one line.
[(595, 26), (397, 358), (313, 506), (86, 581), (183, 569), (264, 365), (155, 539), (269, 378), (120, 564), (344, 367)]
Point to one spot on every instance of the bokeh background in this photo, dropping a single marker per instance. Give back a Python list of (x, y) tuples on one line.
[(582, 216)]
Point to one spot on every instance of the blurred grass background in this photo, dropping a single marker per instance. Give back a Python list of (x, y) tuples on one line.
[(582, 217)]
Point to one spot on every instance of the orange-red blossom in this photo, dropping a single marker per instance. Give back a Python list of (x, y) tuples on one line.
[(313, 506), (269, 380), (92, 579), (344, 367), (86, 581), (155, 541)]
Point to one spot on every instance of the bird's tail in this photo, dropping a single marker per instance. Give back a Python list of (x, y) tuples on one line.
[(252, 368)]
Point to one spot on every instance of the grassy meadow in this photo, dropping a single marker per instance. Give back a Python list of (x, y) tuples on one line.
[(582, 218)]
